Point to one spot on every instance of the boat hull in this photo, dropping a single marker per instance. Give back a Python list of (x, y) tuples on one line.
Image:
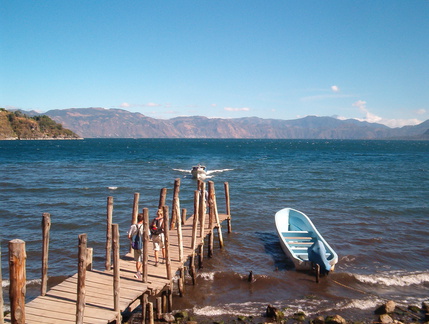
[(199, 172), (297, 234)]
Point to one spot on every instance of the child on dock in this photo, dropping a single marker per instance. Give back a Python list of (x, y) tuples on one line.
[(138, 256), (157, 234)]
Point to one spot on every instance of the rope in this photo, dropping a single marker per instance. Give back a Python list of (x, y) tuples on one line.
[(361, 291)]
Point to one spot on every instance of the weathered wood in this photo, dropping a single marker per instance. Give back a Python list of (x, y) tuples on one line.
[(150, 319), (194, 236), (146, 241), (135, 212), (80, 303), (181, 282), (144, 300), (46, 226), (109, 217), (162, 197), (17, 278), (218, 224), (159, 308), (116, 272), (89, 258), (202, 208), (167, 242), (175, 208), (183, 216), (228, 207), (179, 234)]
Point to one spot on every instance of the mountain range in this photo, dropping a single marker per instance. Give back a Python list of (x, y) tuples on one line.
[(119, 123)]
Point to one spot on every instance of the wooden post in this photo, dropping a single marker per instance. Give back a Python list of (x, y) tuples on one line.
[(216, 214), (194, 235), (181, 282), (116, 273), (167, 242), (46, 226), (1, 295), (149, 317), (202, 208), (17, 277), (162, 197), (211, 218), (81, 276), (89, 258), (175, 209), (183, 216), (158, 308), (228, 206), (144, 300), (179, 234), (109, 217), (135, 213), (145, 244)]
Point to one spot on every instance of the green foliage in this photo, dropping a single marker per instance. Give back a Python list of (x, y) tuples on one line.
[(18, 125)]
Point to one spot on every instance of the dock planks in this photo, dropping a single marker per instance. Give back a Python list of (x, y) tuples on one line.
[(59, 303)]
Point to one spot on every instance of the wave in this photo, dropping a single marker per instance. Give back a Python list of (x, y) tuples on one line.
[(6, 283), (395, 278), (219, 171)]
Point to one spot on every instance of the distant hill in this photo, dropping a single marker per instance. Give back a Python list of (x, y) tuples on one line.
[(17, 125), (118, 123)]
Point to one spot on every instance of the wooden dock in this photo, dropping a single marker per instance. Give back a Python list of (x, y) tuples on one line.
[(59, 304)]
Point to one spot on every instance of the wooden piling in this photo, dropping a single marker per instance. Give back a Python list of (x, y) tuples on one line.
[(135, 212), (162, 197), (159, 308), (81, 276), (202, 208), (149, 317), (167, 242), (46, 226), (89, 258), (175, 209), (217, 219), (116, 272), (194, 236), (144, 299), (228, 206), (179, 234), (17, 277), (183, 216), (146, 241), (109, 216)]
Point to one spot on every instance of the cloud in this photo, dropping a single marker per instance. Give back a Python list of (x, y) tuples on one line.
[(421, 111), (236, 109), (372, 118), (335, 88), (125, 105)]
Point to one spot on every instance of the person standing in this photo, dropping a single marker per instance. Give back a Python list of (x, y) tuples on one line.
[(138, 254), (157, 234)]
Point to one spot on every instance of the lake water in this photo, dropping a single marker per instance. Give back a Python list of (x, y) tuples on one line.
[(369, 199)]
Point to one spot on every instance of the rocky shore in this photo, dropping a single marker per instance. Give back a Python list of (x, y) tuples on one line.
[(388, 313)]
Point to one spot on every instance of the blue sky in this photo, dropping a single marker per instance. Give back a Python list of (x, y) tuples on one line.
[(364, 59)]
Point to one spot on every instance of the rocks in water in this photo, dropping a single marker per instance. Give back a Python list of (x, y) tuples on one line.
[(386, 308), (336, 319), (274, 313), (385, 319)]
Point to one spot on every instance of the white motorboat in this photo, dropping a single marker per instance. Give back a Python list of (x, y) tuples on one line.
[(199, 172)]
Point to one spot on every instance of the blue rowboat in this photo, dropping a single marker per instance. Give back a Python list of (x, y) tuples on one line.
[(302, 242)]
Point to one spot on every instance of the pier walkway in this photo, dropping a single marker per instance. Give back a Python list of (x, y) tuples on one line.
[(59, 303)]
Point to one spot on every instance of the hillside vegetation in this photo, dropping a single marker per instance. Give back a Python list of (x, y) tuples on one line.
[(17, 125)]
